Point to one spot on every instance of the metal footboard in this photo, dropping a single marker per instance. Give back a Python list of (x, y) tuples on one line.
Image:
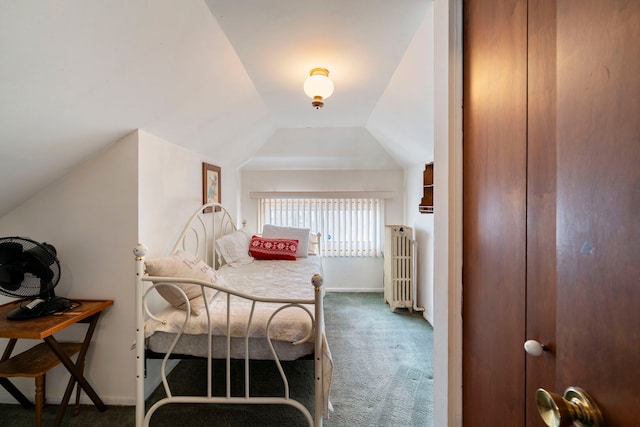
[(145, 284)]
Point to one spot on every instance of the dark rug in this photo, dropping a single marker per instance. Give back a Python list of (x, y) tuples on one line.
[(383, 376)]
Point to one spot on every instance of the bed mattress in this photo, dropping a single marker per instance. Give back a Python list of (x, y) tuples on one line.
[(262, 278)]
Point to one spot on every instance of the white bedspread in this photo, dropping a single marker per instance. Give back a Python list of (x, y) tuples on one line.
[(262, 278), (272, 279)]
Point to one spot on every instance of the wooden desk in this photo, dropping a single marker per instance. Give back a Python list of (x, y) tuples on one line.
[(38, 360)]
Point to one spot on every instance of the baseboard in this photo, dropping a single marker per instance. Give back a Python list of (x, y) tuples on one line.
[(428, 318), (370, 290)]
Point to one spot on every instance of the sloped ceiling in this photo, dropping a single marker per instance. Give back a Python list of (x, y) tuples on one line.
[(77, 75), (321, 148)]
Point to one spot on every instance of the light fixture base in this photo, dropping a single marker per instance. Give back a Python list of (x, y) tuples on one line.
[(317, 102), (319, 72)]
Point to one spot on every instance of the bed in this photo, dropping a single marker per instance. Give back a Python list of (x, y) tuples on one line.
[(233, 295)]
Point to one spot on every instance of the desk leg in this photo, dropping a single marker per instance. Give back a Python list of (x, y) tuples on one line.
[(17, 394), (8, 385), (75, 371), (64, 403)]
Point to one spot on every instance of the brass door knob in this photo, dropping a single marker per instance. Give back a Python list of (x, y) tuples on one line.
[(575, 408)]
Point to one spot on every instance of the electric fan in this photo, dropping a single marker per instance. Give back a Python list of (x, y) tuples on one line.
[(30, 269)]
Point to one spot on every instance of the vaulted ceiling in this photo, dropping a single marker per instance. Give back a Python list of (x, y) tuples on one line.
[(77, 75)]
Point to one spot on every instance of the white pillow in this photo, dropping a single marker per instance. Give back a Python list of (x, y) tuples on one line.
[(234, 248), (300, 234), (183, 265), (314, 242)]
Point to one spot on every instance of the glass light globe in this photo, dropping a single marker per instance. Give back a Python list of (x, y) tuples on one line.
[(318, 84)]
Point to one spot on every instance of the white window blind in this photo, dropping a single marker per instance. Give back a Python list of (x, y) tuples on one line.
[(348, 227)]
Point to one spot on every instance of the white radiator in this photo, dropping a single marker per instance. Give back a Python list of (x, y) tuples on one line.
[(399, 267)]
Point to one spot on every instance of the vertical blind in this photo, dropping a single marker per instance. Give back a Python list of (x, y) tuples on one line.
[(348, 227)]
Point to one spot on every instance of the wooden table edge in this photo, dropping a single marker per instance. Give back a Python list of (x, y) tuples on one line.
[(63, 320)]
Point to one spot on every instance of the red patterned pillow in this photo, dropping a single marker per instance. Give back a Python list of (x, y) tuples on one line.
[(265, 248)]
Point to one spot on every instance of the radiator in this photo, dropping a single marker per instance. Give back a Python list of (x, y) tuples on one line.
[(399, 267)]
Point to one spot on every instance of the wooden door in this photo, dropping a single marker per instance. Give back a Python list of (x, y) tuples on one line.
[(494, 218), (551, 206), (541, 201), (598, 181)]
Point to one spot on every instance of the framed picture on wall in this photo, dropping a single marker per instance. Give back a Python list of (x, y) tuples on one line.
[(211, 188)]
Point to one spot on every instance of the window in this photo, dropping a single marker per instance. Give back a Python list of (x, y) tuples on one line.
[(348, 227)]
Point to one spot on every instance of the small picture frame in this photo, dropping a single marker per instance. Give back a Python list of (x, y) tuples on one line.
[(211, 188)]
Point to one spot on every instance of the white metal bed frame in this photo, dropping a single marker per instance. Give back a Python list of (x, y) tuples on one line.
[(198, 237)]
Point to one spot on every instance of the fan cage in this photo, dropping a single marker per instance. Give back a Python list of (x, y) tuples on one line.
[(28, 268)]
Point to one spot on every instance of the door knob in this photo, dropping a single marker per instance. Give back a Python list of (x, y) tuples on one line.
[(533, 347), (575, 408)]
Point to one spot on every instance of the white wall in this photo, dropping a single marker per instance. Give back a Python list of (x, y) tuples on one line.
[(401, 127), (403, 120), (341, 274), (423, 230), (141, 189), (170, 190), (447, 336), (90, 216)]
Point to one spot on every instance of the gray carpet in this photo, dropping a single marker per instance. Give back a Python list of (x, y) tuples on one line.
[(383, 376)]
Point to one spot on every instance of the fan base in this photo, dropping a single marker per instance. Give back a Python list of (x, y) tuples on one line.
[(39, 308)]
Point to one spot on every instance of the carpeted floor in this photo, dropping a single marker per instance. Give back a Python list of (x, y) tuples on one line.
[(383, 376)]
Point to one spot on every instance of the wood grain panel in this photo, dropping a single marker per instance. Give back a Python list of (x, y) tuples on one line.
[(541, 200), (598, 204), (494, 223)]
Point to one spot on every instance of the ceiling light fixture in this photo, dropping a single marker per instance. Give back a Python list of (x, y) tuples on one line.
[(318, 86)]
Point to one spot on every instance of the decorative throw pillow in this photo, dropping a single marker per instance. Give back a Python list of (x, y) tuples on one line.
[(264, 248), (183, 265), (300, 234), (234, 247)]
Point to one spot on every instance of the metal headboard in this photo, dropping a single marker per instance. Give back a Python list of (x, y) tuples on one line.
[(199, 235)]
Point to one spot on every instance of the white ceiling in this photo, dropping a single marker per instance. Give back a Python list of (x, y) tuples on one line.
[(77, 75)]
